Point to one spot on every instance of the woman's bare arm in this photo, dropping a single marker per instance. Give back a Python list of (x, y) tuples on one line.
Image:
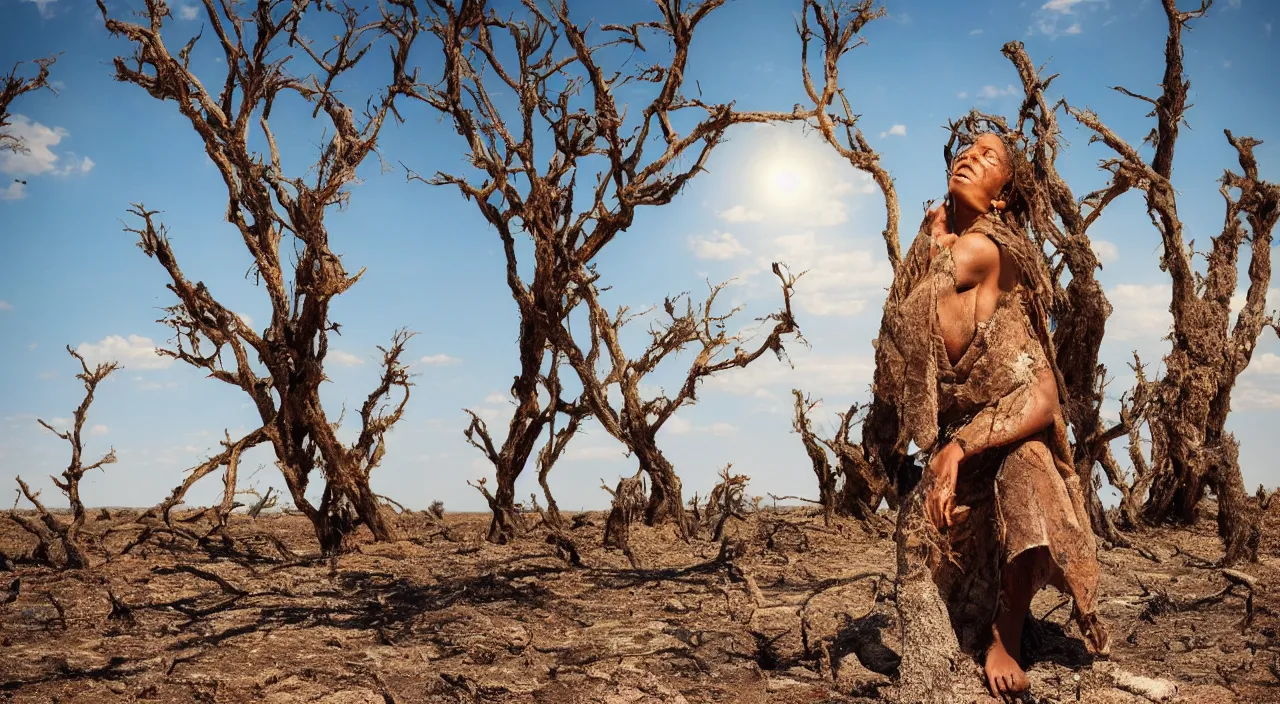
[(1020, 414), (1023, 413)]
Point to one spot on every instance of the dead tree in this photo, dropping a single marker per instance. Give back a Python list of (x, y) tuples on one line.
[(59, 542), (567, 109), (13, 86), (852, 486), (827, 477), (505, 523), (230, 458), (557, 439), (1191, 449), (875, 464), (282, 367), (728, 499), (635, 421), (626, 507), (1080, 309)]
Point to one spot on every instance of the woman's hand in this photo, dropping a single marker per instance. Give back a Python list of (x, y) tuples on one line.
[(940, 502)]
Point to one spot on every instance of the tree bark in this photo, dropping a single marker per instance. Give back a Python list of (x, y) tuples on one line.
[(665, 499)]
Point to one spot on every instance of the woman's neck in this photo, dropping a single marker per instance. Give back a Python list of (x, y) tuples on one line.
[(963, 217)]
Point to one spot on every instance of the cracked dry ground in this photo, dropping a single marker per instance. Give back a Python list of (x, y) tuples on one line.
[(804, 615)]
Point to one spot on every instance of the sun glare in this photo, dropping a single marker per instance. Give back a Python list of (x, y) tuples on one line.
[(782, 178)]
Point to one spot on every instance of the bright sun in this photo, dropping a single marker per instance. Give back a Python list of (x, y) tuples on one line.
[(782, 179)]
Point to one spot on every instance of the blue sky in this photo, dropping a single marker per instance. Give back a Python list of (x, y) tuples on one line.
[(69, 275)]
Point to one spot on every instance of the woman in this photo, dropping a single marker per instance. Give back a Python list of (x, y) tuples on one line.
[(968, 364)]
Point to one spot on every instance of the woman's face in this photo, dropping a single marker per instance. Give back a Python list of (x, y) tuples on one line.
[(979, 173)]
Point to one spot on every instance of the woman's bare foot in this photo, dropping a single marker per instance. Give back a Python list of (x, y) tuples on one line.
[(1004, 677)]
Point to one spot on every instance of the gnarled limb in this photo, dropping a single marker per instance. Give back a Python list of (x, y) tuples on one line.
[(229, 455), (11, 88)]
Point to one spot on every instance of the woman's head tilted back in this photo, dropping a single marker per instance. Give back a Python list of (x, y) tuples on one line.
[(980, 173), (991, 173)]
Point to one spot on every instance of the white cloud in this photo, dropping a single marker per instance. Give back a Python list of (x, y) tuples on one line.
[(740, 213), (578, 453), (146, 385), (5, 305), (719, 245), (975, 32), (677, 426), (1141, 312), (1106, 252), (439, 360), (1233, 4), (38, 141), (14, 191), (1046, 18), (136, 352), (31, 347), (497, 397), (895, 131), (821, 375), (990, 92), (98, 429), (83, 166), (837, 281), (345, 359), (188, 12), (1250, 396), (962, 94), (861, 184), (1266, 363), (722, 429), (48, 374), (45, 7), (246, 319), (1062, 6)]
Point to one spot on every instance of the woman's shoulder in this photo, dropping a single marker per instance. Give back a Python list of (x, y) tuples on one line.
[(988, 224)]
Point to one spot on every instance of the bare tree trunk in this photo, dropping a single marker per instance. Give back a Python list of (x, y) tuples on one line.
[(553, 509), (817, 456), (501, 527), (628, 502), (933, 669), (665, 500)]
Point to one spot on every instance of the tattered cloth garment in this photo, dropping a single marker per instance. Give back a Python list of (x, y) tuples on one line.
[(1020, 496)]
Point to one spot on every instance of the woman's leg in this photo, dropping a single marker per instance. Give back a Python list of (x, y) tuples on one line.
[(1019, 584)]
